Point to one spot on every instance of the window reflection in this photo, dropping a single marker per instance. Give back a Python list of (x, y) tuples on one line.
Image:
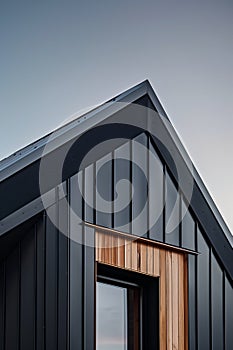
[(111, 317), (117, 317)]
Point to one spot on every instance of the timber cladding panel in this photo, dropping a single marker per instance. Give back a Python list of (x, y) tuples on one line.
[(170, 266)]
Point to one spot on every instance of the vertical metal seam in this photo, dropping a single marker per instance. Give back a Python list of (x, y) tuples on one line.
[(224, 307), (148, 191), (196, 287), (210, 296), (164, 202), (148, 182), (19, 297), (94, 192), (83, 262), (113, 186), (131, 185), (113, 189), (57, 260), (35, 286), (45, 218), (4, 306), (180, 218), (187, 261), (68, 264)]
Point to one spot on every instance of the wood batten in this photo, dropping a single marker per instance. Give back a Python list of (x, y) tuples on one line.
[(170, 265)]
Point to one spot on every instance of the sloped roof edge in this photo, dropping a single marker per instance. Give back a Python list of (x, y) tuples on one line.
[(33, 152)]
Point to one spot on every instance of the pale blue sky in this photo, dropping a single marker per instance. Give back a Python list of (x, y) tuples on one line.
[(58, 57)]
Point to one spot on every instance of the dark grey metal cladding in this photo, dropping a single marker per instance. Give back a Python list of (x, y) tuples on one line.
[(217, 307), (89, 288), (12, 301), (63, 274), (203, 294), (156, 195), (81, 266), (89, 187), (104, 191), (140, 185), (51, 278), (22, 293), (228, 306), (35, 290), (76, 264), (210, 300), (47, 289), (27, 291), (122, 171), (192, 309), (40, 282), (2, 305), (172, 212), (89, 258), (187, 228)]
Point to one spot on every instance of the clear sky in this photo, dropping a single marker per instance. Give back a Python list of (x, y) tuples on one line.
[(59, 57)]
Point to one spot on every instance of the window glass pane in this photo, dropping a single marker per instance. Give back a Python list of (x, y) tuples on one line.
[(155, 196), (188, 229), (111, 320), (172, 212)]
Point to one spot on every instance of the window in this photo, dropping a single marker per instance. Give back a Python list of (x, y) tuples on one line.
[(117, 322), (127, 304)]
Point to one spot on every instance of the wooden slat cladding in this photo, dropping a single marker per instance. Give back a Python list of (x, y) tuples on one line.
[(170, 266)]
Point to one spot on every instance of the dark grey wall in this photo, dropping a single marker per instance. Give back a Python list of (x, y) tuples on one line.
[(47, 287), (210, 300)]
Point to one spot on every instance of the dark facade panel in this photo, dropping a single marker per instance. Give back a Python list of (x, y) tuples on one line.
[(40, 282), (75, 309), (217, 307), (203, 294), (104, 191), (27, 291), (89, 288), (122, 172), (89, 193), (63, 275), (156, 195), (34, 289), (210, 300), (81, 315), (2, 305), (187, 228), (192, 302), (172, 213), (51, 280), (12, 299), (140, 185), (228, 305)]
